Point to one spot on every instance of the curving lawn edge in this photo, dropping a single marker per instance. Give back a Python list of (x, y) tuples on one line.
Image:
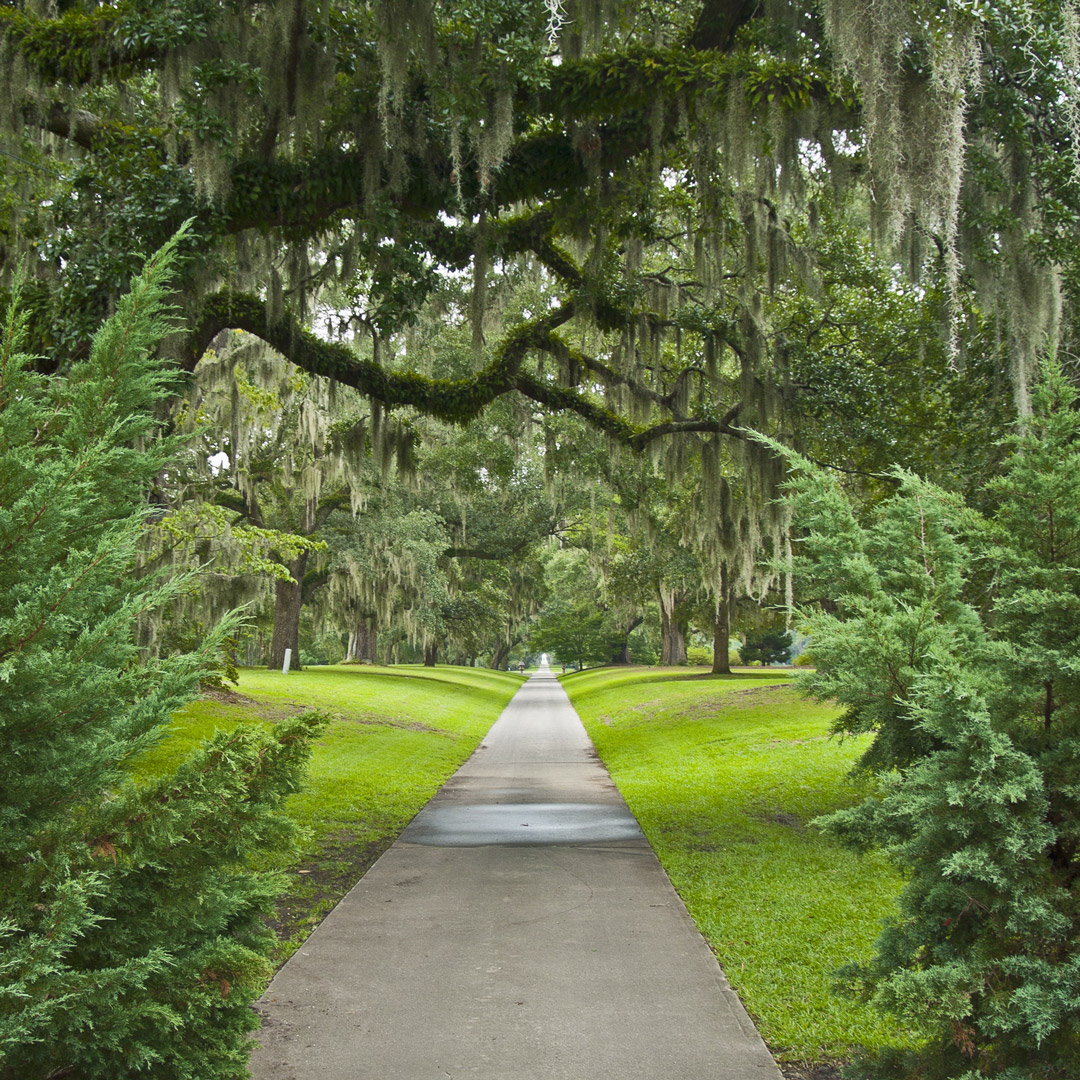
[(395, 735), (724, 773)]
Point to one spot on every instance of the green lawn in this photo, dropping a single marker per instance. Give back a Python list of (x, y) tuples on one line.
[(724, 774), (395, 735)]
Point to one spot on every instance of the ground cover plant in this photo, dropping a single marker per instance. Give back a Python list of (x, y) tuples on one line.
[(725, 774), (394, 735)]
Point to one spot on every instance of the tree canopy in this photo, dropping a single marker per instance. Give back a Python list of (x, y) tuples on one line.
[(661, 163), (677, 221)]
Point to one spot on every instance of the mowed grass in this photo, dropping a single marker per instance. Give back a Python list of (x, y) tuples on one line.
[(395, 735), (724, 774)]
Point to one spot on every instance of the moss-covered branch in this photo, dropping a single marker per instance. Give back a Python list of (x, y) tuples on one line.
[(615, 90), (615, 84), (79, 46), (78, 125), (725, 425), (453, 400), (607, 374)]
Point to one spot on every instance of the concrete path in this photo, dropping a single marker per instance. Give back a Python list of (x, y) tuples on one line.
[(519, 929)]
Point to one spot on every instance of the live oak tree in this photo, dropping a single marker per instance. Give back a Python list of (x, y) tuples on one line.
[(571, 626), (658, 164), (388, 575), (490, 485), (298, 489), (277, 455)]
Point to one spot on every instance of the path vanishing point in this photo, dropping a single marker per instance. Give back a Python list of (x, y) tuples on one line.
[(520, 928)]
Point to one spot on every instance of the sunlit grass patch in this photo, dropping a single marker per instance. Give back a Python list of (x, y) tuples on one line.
[(724, 774)]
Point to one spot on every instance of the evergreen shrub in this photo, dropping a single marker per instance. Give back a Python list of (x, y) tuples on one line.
[(131, 932), (770, 645), (954, 636)]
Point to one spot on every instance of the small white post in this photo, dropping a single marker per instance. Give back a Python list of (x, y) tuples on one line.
[(288, 661)]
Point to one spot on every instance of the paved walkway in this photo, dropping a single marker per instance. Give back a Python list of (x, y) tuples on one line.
[(519, 929)]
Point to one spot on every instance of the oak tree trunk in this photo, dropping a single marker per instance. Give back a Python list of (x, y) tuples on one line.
[(621, 653), (501, 655), (672, 633), (673, 649), (288, 600), (363, 639), (721, 657)]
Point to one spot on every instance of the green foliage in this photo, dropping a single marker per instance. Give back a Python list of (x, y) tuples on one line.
[(193, 528), (188, 637), (129, 914), (954, 637), (894, 598), (880, 386), (362, 154), (771, 645), (573, 626), (642, 649)]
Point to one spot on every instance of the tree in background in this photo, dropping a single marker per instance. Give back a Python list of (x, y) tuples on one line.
[(573, 624), (952, 637), (487, 482), (770, 645), (130, 912), (387, 568), (274, 456)]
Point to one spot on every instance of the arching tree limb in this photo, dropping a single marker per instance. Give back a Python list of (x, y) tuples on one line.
[(456, 401)]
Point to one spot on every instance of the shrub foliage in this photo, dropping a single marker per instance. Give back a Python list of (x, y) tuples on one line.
[(954, 635), (771, 645), (131, 939)]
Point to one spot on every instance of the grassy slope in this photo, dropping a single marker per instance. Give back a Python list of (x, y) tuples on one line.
[(395, 735), (724, 774)]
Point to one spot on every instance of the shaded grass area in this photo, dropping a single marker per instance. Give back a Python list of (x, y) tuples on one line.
[(395, 735), (724, 774)]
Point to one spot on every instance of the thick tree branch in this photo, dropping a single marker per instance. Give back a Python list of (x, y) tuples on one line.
[(614, 91), (724, 426), (338, 500), (78, 125), (313, 579), (454, 400), (79, 46)]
